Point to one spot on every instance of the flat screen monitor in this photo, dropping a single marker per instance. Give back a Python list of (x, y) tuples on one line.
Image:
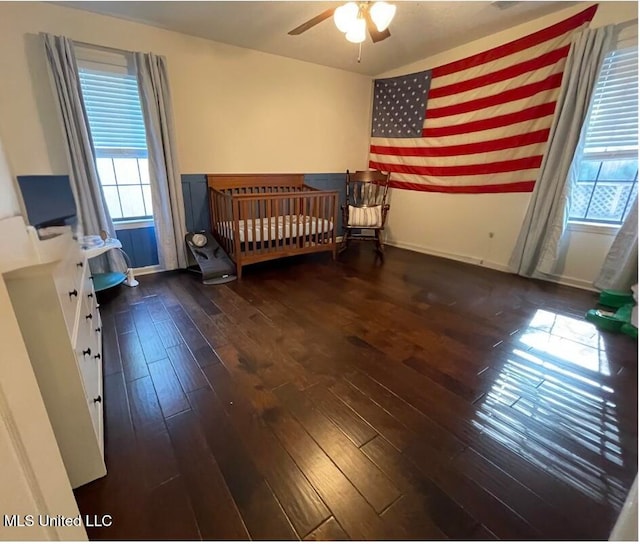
[(48, 199)]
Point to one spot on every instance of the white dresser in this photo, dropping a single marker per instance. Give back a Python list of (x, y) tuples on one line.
[(56, 309)]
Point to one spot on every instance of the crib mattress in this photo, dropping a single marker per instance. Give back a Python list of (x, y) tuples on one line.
[(281, 227)]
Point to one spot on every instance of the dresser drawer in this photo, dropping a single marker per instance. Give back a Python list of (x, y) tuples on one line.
[(86, 340), (90, 315), (93, 310), (96, 412), (68, 276), (91, 368)]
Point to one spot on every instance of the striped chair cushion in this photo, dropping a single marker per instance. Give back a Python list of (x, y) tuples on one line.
[(367, 216)]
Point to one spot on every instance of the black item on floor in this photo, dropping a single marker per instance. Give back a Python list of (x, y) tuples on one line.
[(209, 260)]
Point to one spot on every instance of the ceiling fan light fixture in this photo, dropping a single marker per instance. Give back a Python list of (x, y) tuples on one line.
[(345, 16), (382, 14), (357, 32)]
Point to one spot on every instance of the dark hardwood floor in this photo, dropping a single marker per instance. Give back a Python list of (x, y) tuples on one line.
[(417, 398)]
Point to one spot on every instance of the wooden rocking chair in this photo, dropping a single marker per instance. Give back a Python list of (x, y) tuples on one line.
[(366, 207)]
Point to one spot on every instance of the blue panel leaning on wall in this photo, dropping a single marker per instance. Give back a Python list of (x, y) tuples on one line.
[(140, 245), (196, 205), (196, 202)]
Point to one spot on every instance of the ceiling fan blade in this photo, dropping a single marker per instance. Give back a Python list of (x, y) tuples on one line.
[(312, 22), (376, 35)]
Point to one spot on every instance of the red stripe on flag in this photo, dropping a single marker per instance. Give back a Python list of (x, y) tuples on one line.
[(552, 82), (535, 112), (500, 75), (525, 163), (514, 187), (498, 144), (518, 45)]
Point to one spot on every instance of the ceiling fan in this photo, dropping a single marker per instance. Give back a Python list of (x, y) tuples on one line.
[(354, 19)]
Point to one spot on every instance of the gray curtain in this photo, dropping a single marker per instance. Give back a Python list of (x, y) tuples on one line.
[(93, 214), (536, 249), (620, 268), (166, 187)]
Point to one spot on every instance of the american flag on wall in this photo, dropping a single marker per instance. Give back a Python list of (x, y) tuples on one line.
[(477, 125)]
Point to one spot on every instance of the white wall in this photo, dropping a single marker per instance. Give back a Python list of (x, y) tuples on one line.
[(236, 110), (460, 226)]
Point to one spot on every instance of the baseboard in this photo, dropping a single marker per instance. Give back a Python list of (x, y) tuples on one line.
[(571, 282), (558, 279), (447, 255), (150, 269)]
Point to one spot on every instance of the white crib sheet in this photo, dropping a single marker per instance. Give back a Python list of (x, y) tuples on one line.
[(281, 227)]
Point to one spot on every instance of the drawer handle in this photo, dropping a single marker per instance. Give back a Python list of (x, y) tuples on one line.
[(90, 295), (86, 352), (98, 329), (79, 264), (97, 399), (89, 316), (73, 293), (96, 357)]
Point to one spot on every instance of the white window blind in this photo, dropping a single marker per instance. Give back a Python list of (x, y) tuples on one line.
[(607, 181), (112, 102), (613, 122), (113, 108)]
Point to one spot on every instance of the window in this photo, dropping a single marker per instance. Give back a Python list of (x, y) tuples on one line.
[(112, 102), (607, 180)]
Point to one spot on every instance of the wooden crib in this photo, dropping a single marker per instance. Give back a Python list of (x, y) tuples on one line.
[(258, 217)]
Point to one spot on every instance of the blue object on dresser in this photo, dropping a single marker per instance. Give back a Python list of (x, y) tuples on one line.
[(48, 199)]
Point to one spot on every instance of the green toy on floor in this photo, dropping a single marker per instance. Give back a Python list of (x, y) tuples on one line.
[(619, 318)]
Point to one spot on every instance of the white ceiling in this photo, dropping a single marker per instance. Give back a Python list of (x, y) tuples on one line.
[(420, 29)]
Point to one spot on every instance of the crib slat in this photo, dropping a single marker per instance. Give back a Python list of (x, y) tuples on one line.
[(316, 214), (226, 222), (264, 218), (320, 231), (297, 208), (232, 232), (312, 213), (235, 214), (306, 205), (278, 241), (267, 204), (307, 217), (324, 225), (244, 218), (334, 211)]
